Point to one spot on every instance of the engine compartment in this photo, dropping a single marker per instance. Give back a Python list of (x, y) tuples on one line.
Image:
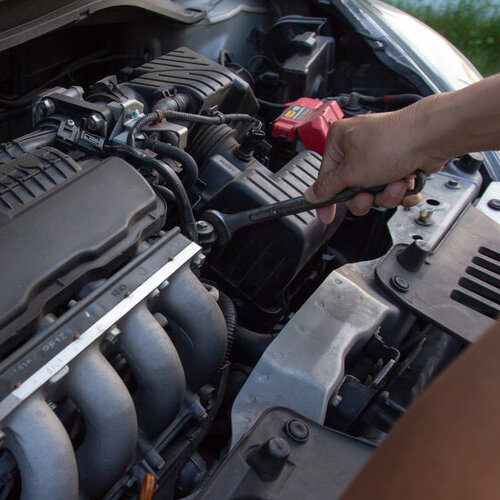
[(135, 343)]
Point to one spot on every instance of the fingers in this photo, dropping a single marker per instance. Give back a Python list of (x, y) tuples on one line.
[(412, 200), (326, 214), (392, 195), (360, 204), (328, 184)]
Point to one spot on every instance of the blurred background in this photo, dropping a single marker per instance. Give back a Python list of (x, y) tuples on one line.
[(473, 26)]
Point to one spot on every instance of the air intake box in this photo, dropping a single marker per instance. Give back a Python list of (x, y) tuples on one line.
[(62, 224), (207, 82), (260, 261)]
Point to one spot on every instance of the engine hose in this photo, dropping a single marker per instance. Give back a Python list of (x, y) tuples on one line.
[(173, 152), (273, 105), (230, 315), (187, 222), (141, 123), (249, 345), (216, 119), (170, 114)]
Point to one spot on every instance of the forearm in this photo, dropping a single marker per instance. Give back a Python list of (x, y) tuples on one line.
[(459, 122), (447, 445)]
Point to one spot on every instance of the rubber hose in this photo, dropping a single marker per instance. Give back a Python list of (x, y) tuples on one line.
[(249, 346), (187, 223), (230, 315), (218, 119), (185, 159), (140, 124)]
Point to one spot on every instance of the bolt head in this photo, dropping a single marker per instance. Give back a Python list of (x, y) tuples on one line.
[(400, 283), (278, 448), (70, 123), (452, 184), (94, 123), (47, 107), (113, 334)]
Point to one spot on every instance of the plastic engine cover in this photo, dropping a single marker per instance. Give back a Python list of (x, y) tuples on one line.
[(63, 223), (260, 261)]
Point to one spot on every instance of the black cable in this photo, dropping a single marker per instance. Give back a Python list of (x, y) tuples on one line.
[(272, 105), (187, 223), (188, 163), (140, 124), (215, 119)]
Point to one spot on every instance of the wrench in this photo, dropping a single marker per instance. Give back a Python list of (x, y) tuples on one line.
[(227, 224)]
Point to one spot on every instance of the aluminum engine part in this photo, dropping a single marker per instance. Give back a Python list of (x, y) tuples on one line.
[(65, 362), (304, 365)]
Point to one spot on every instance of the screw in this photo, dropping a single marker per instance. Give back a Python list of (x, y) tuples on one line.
[(494, 204), (201, 224), (127, 294), (452, 184), (17, 385), (70, 123), (76, 336), (400, 283)]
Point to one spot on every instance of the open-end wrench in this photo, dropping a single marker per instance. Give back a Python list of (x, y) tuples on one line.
[(227, 224)]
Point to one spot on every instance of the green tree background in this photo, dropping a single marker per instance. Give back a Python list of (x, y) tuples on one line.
[(473, 26)]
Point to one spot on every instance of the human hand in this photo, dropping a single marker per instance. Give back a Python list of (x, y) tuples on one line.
[(373, 150)]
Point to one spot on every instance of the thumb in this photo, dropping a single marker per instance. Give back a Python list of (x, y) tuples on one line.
[(327, 185)]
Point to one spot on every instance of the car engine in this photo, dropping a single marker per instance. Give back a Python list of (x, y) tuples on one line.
[(139, 345)]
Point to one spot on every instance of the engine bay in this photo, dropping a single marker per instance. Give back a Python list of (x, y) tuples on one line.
[(136, 342)]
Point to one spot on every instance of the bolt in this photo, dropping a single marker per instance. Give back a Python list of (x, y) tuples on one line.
[(400, 283), (336, 400), (113, 334), (201, 224), (297, 430), (278, 448), (452, 184), (199, 260), (163, 285), (494, 204), (76, 336), (154, 294), (170, 259), (47, 107), (72, 303), (17, 385), (127, 294), (424, 216), (94, 122)]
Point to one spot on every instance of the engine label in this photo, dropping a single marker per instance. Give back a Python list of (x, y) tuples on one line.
[(296, 112)]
